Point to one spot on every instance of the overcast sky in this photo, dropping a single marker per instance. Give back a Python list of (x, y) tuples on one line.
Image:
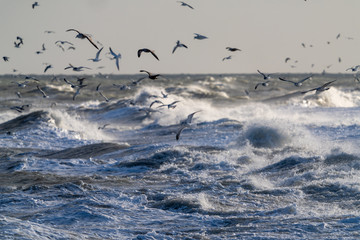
[(267, 32)]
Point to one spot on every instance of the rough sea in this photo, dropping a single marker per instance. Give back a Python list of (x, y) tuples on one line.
[(270, 163)]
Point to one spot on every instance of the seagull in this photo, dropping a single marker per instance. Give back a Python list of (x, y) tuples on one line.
[(178, 44), (266, 76), (17, 45), (21, 84), (320, 89), (32, 78), (47, 67), (76, 69), (20, 40), (354, 69), (42, 92), (337, 36), (48, 31), (83, 36), (265, 84), (97, 59), (150, 75), (231, 49), (20, 108), (18, 94), (287, 59), (185, 4), (101, 94), (116, 57), (38, 52), (43, 47), (227, 58), (156, 101), (63, 42), (104, 126), (164, 95), (298, 83), (80, 81), (78, 91), (35, 4), (6, 59), (73, 85), (171, 105), (184, 124), (146, 50), (199, 36)]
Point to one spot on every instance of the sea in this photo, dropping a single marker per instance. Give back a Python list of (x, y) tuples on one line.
[(275, 162)]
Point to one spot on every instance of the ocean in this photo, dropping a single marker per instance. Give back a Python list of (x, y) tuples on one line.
[(276, 162)]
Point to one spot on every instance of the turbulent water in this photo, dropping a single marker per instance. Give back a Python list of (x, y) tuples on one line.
[(270, 163)]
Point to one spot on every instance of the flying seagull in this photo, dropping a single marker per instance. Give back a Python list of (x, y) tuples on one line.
[(199, 36), (42, 92), (101, 94), (178, 44), (146, 50), (47, 67), (171, 105), (78, 91), (353, 69), (97, 59), (227, 58), (265, 76), (265, 84), (76, 69), (35, 4), (185, 4), (83, 36), (156, 101), (298, 83), (184, 124), (116, 57), (322, 88), (6, 59), (231, 49), (151, 75)]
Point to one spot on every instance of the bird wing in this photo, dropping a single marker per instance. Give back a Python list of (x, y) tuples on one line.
[(152, 52), (179, 131), (285, 80), (190, 117), (90, 40), (117, 63), (261, 73), (139, 52), (303, 80), (175, 48), (98, 53), (71, 29), (98, 87)]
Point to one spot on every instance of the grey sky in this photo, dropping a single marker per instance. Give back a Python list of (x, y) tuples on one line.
[(267, 31)]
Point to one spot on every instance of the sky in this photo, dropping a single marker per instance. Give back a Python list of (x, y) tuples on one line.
[(266, 31)]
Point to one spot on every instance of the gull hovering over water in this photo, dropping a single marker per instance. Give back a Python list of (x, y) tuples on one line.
[(322, 88), (151, 75), (185, 4), (199, 36), (83, 36), (298, 83), (353, 69), (171, 105), (97, 59), (42, 92), (101, 94), (265, 84), (156, 101), (116, 57), (184, 124), (146, 50), (179, 44), (265, 76), (78, 90), (76, 69)]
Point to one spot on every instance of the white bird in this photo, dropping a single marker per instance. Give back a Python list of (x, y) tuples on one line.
[(42, 92), (78, 91), (171, 105), (322, 88), (184, 124), (185, 4), (83, 36), (101, 94), (179, 44), (156, 101), (199, 36), (116, 57), (354, 69), (97, 59), (265, 84), (76, 69), (265, 76), (164, 95), (298, 83)]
